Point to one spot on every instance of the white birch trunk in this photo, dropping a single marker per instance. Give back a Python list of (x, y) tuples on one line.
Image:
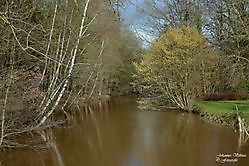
[(70, 70)]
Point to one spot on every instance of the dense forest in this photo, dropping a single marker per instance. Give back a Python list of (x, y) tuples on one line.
[(55, 54), (58, 54)]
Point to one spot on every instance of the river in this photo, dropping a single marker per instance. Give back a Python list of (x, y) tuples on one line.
[(119, 134)]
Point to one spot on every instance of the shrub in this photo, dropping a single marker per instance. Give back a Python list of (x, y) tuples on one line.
[(220, 96)]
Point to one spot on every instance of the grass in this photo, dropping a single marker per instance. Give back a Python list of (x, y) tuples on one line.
[(222, 108)]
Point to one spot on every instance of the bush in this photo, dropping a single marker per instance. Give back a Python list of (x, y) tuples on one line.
[(223, 96), (244, 89), (220, 96)]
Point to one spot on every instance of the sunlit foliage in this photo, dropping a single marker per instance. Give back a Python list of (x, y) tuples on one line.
[(180, 66)]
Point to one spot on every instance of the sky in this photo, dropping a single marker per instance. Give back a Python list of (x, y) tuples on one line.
[(135, 21), (130, 11)]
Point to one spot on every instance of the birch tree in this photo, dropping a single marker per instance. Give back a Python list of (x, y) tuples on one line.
[(57, 58)]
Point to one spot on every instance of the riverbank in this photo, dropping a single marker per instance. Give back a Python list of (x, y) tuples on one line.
[(224, 112)]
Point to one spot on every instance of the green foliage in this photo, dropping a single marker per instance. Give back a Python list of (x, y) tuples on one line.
[(179, 65), (243, 89), (129, 51), (38, 16), (245, 85)]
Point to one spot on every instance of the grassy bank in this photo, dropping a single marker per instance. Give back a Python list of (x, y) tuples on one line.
[(224, 112)]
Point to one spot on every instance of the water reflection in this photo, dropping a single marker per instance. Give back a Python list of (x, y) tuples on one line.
[(121, 135), (54, 150)]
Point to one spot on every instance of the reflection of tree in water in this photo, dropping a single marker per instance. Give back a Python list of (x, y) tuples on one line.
[(53, 147), (125, 136), (153, 104)]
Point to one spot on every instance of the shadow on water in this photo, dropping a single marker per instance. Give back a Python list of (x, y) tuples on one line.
[(119, 134)]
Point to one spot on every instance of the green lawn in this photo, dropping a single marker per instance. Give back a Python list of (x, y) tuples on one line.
[(220, 108)]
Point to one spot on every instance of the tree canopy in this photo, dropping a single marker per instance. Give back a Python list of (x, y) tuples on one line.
[(179, 65)]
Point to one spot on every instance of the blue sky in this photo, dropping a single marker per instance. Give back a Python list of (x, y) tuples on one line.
[(131, 12), (135, 20)]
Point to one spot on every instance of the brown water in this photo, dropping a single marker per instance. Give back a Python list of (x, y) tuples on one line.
[(123, 135)]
